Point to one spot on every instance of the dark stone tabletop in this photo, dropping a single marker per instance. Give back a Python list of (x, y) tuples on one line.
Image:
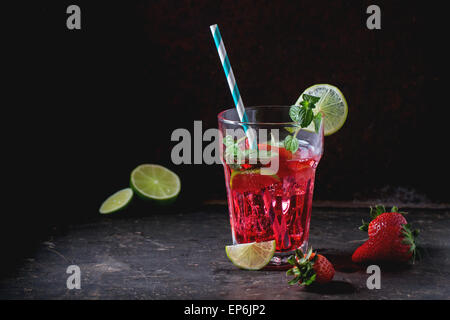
[(179, 254)]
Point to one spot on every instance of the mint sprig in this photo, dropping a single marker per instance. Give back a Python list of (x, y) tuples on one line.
[(303, 115)]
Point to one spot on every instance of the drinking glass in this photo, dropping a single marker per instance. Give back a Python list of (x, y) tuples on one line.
[(269, 188)]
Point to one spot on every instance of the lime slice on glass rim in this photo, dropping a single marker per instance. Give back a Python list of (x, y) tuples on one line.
[(332, 105), (117, 201), (251, 256), (155, 182)]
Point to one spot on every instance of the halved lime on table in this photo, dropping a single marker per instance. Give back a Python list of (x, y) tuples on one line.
[(117, 201), (251, 256), (332, 105), (155, 182)]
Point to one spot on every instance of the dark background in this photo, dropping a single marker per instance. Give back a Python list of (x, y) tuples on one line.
[(89, 105)]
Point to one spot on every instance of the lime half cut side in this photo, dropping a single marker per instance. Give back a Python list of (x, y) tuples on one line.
[(251, 256), (332, 105), (152, 181), (117, 201)]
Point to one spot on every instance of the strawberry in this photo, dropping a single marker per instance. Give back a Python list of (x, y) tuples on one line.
[(283, 153), (310, 267), (283, 157), (297, 166), (393, 217), (390, 238)]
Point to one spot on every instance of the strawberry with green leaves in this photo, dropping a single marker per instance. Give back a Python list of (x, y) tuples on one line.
[(309, 268), (390, 238)]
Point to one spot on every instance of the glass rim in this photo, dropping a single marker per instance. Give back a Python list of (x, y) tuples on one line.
[(222, 118)]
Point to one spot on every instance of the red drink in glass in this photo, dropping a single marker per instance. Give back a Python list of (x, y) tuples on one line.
[(273, 207)]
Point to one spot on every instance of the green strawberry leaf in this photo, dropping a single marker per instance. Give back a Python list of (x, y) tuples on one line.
[(364, 226), (291, 260), (295, 280), (409, 238), (302, 268), (375, 212)]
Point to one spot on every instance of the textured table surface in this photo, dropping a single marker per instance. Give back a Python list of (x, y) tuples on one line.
[(180, 255)]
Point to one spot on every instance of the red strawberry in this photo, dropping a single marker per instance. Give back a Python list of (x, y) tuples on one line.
[(390, 239), (309, 268), (393, 218), (298, 166), (283, 156), (387, 219), (283, 153)]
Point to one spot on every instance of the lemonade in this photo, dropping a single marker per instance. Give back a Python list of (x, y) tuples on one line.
[(273, 207)]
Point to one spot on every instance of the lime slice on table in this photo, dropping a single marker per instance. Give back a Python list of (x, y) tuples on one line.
[(117, 201), (251, 256), (152, 181), (332, 104)]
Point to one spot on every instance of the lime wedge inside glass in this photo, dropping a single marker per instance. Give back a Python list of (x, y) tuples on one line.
[(152, 181), (332, 105), (117, 201), (251, 256), (249, 180)]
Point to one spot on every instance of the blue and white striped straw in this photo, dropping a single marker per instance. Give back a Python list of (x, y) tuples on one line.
[(232, 82)]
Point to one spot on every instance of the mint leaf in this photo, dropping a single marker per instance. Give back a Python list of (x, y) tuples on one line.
[(305, 103), (311, 99), (293, 113), (317, 120), (291, 143), (231, 152), (305, 116), (302, 116), (228, 141)]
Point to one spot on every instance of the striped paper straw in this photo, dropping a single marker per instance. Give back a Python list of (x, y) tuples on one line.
[(232, 82)]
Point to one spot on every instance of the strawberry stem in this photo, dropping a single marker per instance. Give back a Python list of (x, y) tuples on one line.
[(410, 239), (302, 268), (364, 226)]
